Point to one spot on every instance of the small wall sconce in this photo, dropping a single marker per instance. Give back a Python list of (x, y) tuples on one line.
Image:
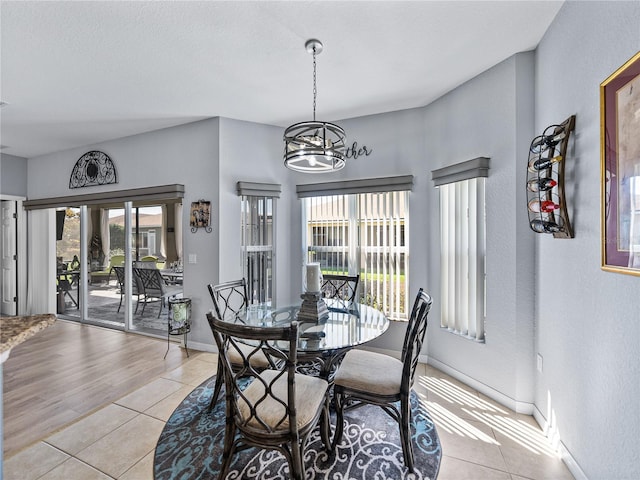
[(200, 216)]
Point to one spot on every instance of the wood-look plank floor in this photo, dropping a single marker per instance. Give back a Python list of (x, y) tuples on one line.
[(70, 370)]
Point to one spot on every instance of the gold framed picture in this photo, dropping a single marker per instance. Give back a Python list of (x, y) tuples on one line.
[(620, 168)]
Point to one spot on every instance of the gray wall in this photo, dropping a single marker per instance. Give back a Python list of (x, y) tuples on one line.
[(257, 160), (13, 175), (588, 320), (490, 116)]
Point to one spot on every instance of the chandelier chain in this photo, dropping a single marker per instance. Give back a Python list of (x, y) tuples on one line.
[(315, 89)]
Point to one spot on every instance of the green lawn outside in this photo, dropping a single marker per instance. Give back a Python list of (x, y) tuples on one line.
[(370, 279)]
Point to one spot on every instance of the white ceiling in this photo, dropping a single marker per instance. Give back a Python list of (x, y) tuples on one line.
[(78, 73)]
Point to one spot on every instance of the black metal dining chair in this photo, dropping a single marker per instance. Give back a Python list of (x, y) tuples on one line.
[(338, 287), (342, 287), (279, 408), (372, 378), (229, 298)]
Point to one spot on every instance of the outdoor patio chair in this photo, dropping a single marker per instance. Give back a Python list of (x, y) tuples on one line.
[(154, 287), (136, 288), (114, 261)]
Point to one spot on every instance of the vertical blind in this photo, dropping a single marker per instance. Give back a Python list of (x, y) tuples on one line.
[(258, 210), (463, 247), (364, 234), (257, 247)]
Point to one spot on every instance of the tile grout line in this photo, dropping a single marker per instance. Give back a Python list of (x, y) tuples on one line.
[(69, 457)]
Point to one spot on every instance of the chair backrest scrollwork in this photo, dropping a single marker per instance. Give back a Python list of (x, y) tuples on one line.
[(342, 287), (414, 338), (267, 407), (229, 296)]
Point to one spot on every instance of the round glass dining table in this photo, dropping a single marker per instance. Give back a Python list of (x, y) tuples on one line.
[(324, 342)]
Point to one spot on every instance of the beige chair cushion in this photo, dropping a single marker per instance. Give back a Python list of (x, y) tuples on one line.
[(370, 372), (257, 360), (310, 394)]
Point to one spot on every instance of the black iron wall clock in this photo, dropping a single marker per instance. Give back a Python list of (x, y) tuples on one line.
[(93, 168)]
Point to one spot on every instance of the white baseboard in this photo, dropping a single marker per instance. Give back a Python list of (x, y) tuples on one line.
[(537, 414), (565, 455), (517, 406), (571, 463), (201, 347)]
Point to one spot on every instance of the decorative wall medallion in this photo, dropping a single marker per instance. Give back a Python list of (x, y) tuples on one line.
[(93, 168)]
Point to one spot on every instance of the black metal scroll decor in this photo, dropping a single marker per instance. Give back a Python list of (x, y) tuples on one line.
[(546, 202), (93, 168)]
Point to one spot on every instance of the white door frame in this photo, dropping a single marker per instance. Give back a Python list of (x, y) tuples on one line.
[(21, 253)]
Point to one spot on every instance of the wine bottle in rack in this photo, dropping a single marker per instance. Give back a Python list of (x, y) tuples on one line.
[(543, 163), (544, 226), (541, 184), (544, 142), (542, 206)]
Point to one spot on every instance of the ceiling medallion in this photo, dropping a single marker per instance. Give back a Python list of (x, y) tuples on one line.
[(314, 147)]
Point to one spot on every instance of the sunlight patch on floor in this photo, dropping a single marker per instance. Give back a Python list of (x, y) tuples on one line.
[(456, 395), (500, 420), (518, 431), (452, 423)]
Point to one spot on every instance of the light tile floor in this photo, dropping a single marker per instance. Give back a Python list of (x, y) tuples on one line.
[(481, 440)]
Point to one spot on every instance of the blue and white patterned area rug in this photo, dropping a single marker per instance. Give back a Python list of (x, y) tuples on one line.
[(191, 444)]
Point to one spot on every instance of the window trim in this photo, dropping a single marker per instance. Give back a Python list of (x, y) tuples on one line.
[(255, 189), (366, 185), (474, 168), (163, 193)]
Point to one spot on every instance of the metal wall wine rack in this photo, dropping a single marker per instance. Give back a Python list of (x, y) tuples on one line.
[(546, 201)]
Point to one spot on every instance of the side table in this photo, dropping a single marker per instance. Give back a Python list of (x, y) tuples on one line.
[(179, 320)]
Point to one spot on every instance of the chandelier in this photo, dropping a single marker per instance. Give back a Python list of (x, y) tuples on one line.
[(314, 147)]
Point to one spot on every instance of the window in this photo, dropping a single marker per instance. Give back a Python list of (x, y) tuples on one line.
[(463, 247), (258, 212), (151, 242), (365, 233)]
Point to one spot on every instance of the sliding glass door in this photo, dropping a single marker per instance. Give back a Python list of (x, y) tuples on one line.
[(68, 262), (112, 236)]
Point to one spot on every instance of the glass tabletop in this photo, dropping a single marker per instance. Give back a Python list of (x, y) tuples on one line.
[(347, 325)]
